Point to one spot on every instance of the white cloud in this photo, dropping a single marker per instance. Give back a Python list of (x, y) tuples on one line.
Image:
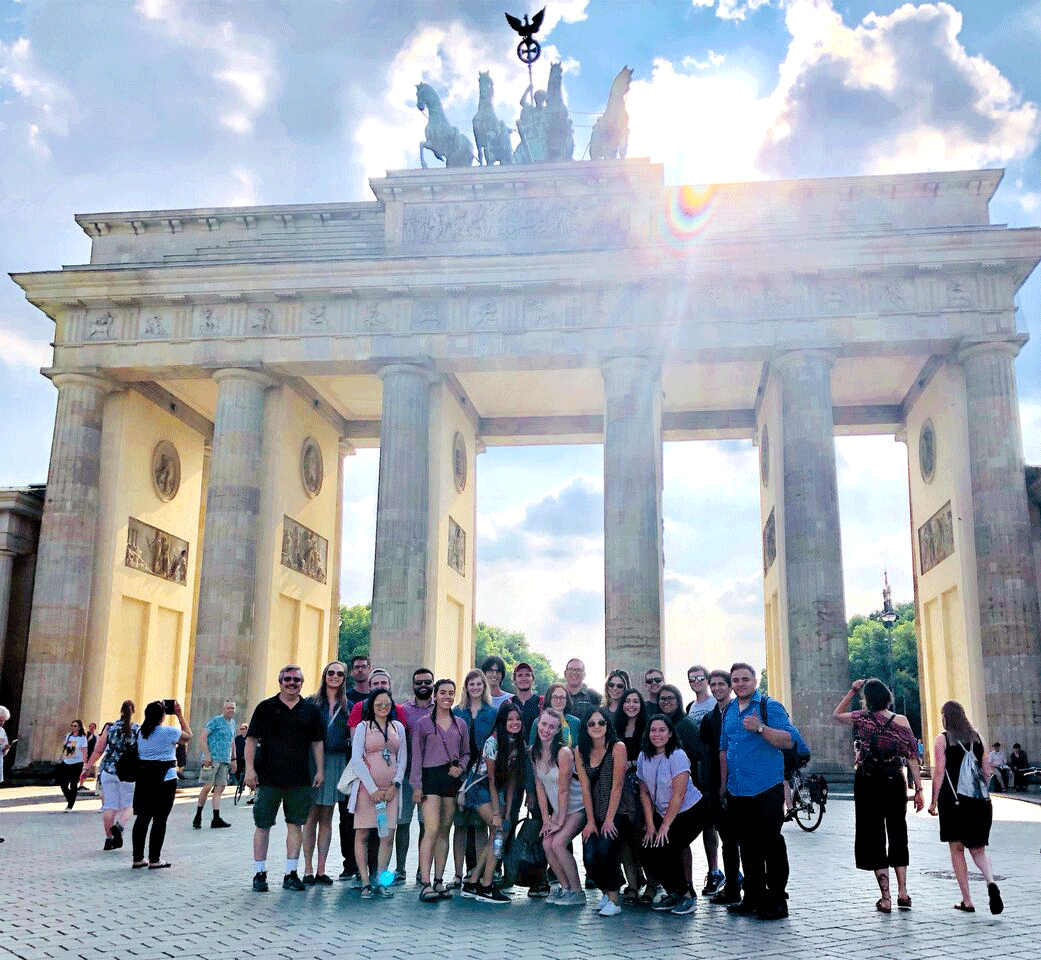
[(48, 105), (732, 9), (18, 350), (712, 59)]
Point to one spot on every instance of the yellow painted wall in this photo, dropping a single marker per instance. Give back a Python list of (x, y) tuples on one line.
[(292, 610), (949, 651), (775, 595), (450, 597), (138, 643)]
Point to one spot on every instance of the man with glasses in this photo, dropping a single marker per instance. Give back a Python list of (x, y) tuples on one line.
[(751, 760), (700, 707), (289, 730), (360, 675), (652, 681), (495, 670), (582, 698), (421, 703), (218, 741)]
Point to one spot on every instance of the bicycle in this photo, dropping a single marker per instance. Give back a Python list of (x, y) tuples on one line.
[(809, 799)]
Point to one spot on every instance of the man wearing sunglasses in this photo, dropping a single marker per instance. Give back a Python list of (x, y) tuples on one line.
[(652, 682), (700, 707), (289, 729)]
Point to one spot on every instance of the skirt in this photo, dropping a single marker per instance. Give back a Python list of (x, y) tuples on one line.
[(967, 821), (327, 795), (437, 782)]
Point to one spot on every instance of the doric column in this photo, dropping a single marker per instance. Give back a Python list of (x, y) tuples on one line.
[(343, 449), (6, 569), (817, 639), (1008, 602), (224, 628), (633, 559), (64, 568), (403, 535)]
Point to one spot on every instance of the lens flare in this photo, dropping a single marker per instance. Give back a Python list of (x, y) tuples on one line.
[(688, 210), (386, 879)]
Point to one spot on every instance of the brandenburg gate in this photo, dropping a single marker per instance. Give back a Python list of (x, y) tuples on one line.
[(214, 366)]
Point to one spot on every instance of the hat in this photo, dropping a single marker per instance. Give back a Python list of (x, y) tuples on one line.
[(379, 672), (523, 665)]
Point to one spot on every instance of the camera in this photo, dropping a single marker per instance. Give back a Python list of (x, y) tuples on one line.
[(168, 706)]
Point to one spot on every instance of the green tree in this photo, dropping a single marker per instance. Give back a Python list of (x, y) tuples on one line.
[(513, 648), (355, 628), (891, 655), (764, 685)]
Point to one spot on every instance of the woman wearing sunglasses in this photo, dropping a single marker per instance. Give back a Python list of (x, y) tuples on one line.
[(609, 806), (334, 708), (617, 684)]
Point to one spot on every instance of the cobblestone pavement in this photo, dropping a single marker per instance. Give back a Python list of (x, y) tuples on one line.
[(62, 896)]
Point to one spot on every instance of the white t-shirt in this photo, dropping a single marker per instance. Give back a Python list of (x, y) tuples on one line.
[(657, 773), (80, 748), (501, 699), (161, 745), (698, 711)]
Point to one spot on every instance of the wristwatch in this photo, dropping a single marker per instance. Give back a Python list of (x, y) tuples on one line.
[(759, 729)]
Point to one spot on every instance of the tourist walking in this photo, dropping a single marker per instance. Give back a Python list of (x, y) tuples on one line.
[(5, 743), (156, 783), (960, 776), (289, 731), (609, 804), (710, 731), (420, 705), (333, 708), (559, 797), (70, 766), (752, 774), (498, 777), (471, 833), (884, 744), (440, 756), (378, 757), (218, 741), (117, 797), (674, 813), (614, 687)]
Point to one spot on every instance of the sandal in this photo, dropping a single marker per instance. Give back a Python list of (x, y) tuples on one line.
[(137, 865), (882, 909), (964, 909), (427, 894), (904, 903), (441, 890)]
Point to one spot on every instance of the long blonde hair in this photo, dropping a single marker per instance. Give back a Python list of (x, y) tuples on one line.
[(464, 697)]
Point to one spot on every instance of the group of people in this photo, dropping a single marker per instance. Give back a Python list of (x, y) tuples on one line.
[(633, 776)]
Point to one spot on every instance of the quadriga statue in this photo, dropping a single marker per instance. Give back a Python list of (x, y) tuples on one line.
[(491, 134), (443, 140)]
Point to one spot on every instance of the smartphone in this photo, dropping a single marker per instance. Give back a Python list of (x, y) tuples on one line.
[(168, 706)]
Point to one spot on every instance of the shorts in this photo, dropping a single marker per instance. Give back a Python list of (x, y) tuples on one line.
[(479, 795), (215, 775), (117, 794), (437, 782), (295, 803)]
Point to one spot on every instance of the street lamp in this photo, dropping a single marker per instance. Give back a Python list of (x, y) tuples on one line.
[(888, 617)]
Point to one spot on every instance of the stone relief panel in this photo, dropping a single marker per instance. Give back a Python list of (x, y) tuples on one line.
[(936, 538), (303, 550), (209, 320), (459, 461), (157, 552), (456, 547), (565, 223), (769, 543), (166, 470), (312, 467), (262, 319), (927, 451)]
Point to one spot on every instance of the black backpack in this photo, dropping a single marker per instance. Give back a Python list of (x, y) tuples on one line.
[(128, 763), (795, 756), (876, 759)]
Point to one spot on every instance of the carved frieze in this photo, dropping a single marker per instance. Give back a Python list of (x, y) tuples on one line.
[(456, 547), (312, 468), (303, 550), (936, 538), (769, 543), (166, 470), (157, 552)]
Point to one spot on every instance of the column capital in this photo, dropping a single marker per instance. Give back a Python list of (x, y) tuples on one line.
[(79, 379), (345, 448), (243, 373), (782, 362), (642, 362), (1008, 345), (416, 368)]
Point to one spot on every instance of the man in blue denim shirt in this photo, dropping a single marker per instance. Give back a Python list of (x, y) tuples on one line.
[(752, 777)]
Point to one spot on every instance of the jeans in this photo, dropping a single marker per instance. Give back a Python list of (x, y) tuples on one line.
[(153, 801), (68, 778), (731, 853), (602, 856), (757, 824)]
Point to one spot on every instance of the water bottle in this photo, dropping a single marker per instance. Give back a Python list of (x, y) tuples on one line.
[(497, 844), (381, 819)]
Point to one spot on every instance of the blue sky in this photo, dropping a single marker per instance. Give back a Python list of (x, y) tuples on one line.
[(108, 105)]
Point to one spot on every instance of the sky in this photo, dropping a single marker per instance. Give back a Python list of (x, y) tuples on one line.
[(119, 105)]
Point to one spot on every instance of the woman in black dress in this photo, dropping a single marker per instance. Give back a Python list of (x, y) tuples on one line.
[(963, 803)]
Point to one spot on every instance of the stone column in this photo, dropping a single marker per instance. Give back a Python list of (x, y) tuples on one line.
[(817, 639), (343, 449), (6, 569), (224, 628), (64, 569), (633, 559), (1008, 602), (403, 544)]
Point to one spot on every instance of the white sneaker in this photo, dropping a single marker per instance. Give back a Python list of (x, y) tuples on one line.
[(555, 894), (604, 901), (572, 898), (610, 909)]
